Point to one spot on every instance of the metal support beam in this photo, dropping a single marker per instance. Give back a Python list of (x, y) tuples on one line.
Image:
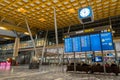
[(18, 23), (2, 19), (31, 36), (69, 29), (43, 50), (56, 32)]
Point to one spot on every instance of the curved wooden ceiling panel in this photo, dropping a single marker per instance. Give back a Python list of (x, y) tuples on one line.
[(40, 12)]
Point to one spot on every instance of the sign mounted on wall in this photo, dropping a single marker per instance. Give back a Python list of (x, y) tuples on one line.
[(85, 15)]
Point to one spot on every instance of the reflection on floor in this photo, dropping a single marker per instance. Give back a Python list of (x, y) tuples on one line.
[(51, 73)]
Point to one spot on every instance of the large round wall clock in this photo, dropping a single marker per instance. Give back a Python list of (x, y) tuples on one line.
[(85, 15), (85, 12)]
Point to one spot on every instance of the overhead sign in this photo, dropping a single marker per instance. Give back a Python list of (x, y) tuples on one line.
[(68, 45), (91, 30), (107, 42), (77, 44)]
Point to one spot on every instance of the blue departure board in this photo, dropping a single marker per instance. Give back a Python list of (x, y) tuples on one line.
[(107, 42), (68, 45), (85, 43), (95, 42), (76, 44)]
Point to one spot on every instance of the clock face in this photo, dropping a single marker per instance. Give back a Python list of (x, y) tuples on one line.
[(84, 12)]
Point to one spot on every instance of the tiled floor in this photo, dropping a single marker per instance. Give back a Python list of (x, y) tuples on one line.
[(51, 73)]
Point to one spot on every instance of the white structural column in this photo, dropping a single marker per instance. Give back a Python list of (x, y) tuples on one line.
[(31, 36), (16, 47), (43, 50), (56, 32)]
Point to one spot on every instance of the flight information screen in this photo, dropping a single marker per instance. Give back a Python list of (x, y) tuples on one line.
[(85, 43), (97, 59), (107, 42), (95, 42), (76, 44), (68, 45)]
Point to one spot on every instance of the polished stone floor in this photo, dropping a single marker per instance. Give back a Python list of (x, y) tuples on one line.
[(51, 72)]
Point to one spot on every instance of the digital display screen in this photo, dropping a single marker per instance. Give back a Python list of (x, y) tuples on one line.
[(107, 42), (95, 42), (89, 55), (76, 44), (110, 54), (85, 43), (68, 45), (97, 59)]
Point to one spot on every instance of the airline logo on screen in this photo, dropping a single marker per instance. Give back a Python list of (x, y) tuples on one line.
[(104, 40)]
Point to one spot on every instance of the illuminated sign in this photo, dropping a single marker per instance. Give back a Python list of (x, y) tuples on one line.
[(76, 44), (85, 43), (107, 42), (68, 45), (95, 42)]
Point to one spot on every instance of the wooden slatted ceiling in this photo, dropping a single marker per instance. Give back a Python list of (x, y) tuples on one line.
[(40, 12)]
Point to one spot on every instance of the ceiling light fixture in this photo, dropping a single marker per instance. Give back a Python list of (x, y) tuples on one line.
[(3, 28), (26, 33), (6, 38), (42, 19), (71, 10), (21, 10)]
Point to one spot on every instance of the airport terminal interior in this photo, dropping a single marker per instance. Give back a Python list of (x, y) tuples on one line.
[(59, 40)]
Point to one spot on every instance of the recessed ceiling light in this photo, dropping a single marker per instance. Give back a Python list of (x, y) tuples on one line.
[(72, 0), (68, 6), (32, 10), (43, 6), (55, 1), (43, 0), (48, 3), (37, 8), (3, 28), (6, 1), (71, 10), (2, 4), (37, 2), (59, 5), (75, 4), (25, 0), (26, 33), (106, 2), (48, 9), (42, 11), (15, 5), (42, 19), (6, 38), (27, 7), (20, 3), (114, 0), (32, 4), (65, 3), (98, 1), (21, 10)]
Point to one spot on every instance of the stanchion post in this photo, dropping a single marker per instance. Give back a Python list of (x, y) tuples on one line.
[(103, 62), (74, 62)]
